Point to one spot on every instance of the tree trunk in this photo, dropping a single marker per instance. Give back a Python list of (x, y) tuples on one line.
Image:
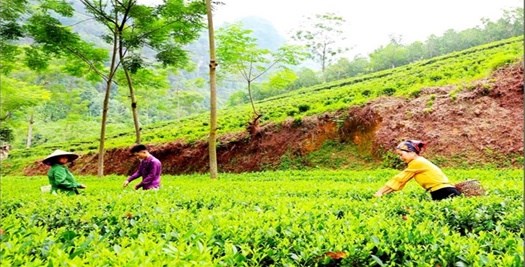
[(131, 94), (212, 147), (251, 98), (30, 132), (105, 108)]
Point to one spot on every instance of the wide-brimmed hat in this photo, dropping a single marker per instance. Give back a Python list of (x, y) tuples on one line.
[(57, 153)]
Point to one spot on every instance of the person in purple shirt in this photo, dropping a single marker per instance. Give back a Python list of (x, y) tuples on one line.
[(150, 169)]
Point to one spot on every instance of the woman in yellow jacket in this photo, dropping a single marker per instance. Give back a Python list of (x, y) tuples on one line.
[(426, 174)]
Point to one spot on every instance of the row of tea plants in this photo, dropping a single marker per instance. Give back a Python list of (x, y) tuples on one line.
[(284, 218)]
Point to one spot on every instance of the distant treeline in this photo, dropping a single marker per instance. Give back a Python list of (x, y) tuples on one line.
[(392, 55)]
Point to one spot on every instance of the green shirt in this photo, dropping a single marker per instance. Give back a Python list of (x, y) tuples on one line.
[(62, 180)]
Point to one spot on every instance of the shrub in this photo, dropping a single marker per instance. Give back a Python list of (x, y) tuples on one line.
[(303, 107), (391, 160), (389, 91), (291, 113), (6, 135)]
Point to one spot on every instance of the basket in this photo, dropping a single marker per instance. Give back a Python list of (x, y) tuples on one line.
[(470, 188), (45, 189)]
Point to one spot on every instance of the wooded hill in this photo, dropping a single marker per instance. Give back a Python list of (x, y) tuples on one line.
[(454, 77)]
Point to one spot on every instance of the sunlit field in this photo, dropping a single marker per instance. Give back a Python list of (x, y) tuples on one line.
[(288, 218)]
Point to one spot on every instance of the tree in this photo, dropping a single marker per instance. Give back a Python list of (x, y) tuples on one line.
[(344, 68), (16, 96), (390, 56), (212, 146), (238, 52), (131, 27), (305, 77), (50, 40), (278, 83), (416, 51), (321, 36)]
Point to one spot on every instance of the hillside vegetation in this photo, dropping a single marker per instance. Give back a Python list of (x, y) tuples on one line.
[(458, 69)]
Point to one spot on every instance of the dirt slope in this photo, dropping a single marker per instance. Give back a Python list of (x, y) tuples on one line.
[(479, 124)]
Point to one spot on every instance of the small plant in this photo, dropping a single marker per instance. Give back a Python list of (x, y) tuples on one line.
[(297, 122), (303, 108), (291, 113), (430, 103), (415, 93), (392, 160), (388, 91)]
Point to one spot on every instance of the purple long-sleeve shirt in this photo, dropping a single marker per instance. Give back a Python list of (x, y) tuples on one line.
[(150, 170)]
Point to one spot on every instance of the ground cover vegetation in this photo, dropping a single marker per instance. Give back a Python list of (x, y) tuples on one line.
[(283, 218)]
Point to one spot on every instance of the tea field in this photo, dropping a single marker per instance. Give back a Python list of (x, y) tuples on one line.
[(285, 218)]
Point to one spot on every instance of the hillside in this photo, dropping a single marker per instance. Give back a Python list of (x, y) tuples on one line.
[(479, 126), (468, 114)]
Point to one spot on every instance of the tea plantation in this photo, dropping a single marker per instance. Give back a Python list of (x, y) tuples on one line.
[(287, 218)]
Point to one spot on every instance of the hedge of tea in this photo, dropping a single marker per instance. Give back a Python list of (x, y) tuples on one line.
[(288, 218)]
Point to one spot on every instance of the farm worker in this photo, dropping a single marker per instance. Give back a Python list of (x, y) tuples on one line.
[(426, 174), (149, 168), (60, 178)]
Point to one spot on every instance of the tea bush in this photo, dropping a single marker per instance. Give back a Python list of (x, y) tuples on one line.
[(282, 218)]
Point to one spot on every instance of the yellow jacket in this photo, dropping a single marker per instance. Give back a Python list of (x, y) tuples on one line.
[(426, 174)]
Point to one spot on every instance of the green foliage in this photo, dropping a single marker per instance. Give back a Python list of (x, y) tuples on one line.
[(392, 160), (500, 60), (344, 68), (305, 78), (237, 52), (172, 56), (16, 95), (289, 161), (284, 218), (319, 35), (338, 155), (277, 83), (390, 56), (303, 107), (389, 91), (6, 135)]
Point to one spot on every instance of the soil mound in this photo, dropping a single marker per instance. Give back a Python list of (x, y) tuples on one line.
[(479, 123)]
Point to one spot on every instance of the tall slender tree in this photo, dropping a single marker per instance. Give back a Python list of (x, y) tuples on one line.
[(238, 52), (321, 35), (212, 146)]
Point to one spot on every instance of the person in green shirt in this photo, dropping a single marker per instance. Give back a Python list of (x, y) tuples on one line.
[(60, 178)]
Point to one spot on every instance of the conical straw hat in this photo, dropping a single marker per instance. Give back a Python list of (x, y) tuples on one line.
[(48, 160)]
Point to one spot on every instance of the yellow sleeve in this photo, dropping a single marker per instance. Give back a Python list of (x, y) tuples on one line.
[(399, 181)]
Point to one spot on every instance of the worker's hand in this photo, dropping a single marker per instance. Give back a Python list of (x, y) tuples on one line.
[(378, 194), (138, 186), (125, 183), (82, 186)]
